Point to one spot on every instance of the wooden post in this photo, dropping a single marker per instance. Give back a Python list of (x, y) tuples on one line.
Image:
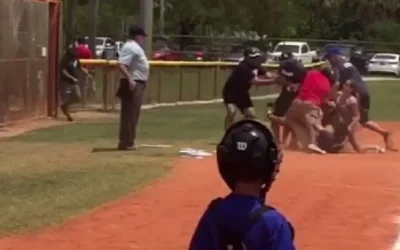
[(105, 87)]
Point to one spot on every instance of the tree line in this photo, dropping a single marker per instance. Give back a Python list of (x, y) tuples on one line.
[(376, 20)]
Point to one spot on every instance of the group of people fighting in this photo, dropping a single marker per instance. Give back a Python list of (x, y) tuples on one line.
[(320, 109)]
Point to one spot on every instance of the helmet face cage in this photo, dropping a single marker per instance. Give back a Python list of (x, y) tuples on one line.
[(265, 162), (285, 56)]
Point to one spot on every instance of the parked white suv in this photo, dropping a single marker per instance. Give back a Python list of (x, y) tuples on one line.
[(106, 47), (300, 50)]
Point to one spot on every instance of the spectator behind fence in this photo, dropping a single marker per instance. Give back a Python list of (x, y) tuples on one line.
[(69, 88), (134, 67)]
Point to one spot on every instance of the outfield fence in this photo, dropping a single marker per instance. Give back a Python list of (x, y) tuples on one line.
[(169, 82)]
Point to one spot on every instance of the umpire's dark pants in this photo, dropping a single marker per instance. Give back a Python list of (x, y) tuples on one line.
[(130, 114)]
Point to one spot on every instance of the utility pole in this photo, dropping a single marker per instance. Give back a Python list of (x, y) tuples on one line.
[(162, 13), (146, 21), (93, 15), (70, 22)]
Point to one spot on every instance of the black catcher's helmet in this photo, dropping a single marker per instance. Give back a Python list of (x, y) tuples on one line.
[(248, 147)]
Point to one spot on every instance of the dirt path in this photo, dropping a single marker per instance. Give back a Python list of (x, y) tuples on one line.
[(335, 202), (23, 127)]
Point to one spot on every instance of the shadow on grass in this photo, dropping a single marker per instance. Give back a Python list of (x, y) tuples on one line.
[(105, 150)]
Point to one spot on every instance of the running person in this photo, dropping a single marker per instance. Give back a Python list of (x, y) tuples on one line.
[(69, 83), (248, 162), (345, 123), (344, 71), (236, 90), (291, 74)]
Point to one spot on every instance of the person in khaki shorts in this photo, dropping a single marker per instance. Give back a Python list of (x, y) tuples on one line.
[(135, 69), (304, 115)]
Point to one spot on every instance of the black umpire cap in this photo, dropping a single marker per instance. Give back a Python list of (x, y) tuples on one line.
[(135, 30)]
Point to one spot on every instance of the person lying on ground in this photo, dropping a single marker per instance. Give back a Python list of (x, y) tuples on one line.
[(345, 124), (344, 71)]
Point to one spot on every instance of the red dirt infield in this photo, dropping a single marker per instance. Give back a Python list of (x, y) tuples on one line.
[(344, 202)]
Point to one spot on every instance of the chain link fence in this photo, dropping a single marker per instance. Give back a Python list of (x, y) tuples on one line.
[(24, 28), (223, 44)]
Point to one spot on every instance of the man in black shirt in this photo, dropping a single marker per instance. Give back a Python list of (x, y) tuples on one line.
[(236, 90), (291, 74), (69, 88)]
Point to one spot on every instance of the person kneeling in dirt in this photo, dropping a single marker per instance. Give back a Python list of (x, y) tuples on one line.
[(344, 125), (305, 114), (291, 74), (69, 87), (248, 160)]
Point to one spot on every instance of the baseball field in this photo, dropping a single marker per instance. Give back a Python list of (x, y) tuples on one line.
[(64, 187)]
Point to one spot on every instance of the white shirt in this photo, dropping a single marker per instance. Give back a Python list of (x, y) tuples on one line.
[(132, 55)]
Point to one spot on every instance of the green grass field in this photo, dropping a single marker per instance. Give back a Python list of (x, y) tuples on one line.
[(51, 175)]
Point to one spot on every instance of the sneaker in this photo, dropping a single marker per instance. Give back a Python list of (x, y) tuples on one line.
[(65, 112), (389, 142), (130, 147), (315, 149)]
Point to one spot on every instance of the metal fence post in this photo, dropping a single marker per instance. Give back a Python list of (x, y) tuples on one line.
[(159, 95), (216, 81), (105, 87), (180, 83), (113, 88), (199, 83)]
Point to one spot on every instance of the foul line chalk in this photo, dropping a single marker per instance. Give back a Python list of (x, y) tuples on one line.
[(396, 244), (154, 146)]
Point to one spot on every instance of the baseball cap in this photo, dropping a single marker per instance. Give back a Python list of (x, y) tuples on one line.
[(252, 52), (135, 30), (334, 52)]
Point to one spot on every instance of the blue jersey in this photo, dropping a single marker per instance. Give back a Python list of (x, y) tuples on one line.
[(344, 71), (271, 232)]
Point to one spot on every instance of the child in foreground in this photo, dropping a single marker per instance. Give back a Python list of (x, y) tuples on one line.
[(248, 161)]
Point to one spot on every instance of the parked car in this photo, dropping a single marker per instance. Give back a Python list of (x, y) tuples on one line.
[(300, 50), (106, 48), (385, 63), (353, 54), (119, 45), (201, 53), (162, 52), (235, 54)]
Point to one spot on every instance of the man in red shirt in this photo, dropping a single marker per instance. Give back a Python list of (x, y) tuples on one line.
[(304, 115), (85, 53), (83, 50)]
